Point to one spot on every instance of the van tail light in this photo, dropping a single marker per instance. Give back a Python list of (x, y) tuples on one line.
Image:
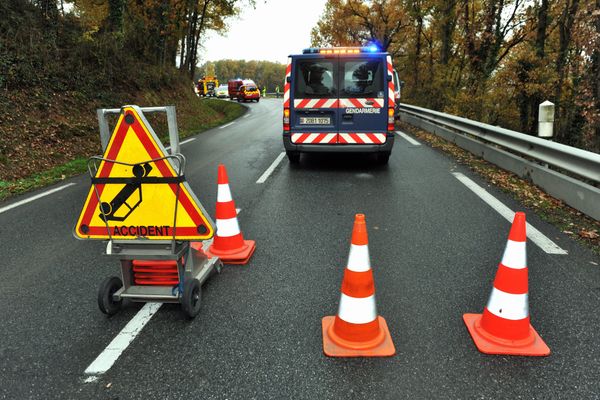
[(390, 119), (286, 119)]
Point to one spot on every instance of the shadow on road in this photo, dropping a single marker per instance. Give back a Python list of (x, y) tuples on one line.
[(352, 162)]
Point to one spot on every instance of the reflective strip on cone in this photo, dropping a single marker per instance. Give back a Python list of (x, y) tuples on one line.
[(358, 259), (228, 227), (507, 305), (357, 310), (223, 193), (515, 255)]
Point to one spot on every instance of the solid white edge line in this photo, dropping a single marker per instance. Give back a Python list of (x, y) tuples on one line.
[(408, 138), (111, 353), (32, 198), (226, 125), (536, 236), (271, 168), (246, 116)]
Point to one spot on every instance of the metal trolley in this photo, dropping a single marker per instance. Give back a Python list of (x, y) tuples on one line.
[(168, 271)]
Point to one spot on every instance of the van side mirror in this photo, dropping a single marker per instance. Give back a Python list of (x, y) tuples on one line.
[(288, 79)]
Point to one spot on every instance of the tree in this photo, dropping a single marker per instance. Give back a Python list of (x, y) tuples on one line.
[(354, 22)]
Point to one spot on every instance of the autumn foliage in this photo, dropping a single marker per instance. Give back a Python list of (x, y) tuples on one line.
[(491, 60)]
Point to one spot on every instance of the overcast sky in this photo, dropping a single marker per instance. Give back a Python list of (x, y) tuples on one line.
[(270, 32)]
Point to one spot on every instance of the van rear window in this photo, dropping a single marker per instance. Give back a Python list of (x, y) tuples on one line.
[(362, 78), (315, 79)]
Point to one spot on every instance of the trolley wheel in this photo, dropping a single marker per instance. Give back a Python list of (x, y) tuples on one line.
[(106, 303), (192, 293)]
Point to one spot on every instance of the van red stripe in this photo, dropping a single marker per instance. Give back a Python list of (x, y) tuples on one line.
[(303, 103), (357, 138), (356, 103), (319, 138), (302, 138), (320, 103)]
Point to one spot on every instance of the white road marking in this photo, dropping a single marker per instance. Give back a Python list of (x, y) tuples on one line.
[(32, 198), (536, 236), (226, 125), (271, 168), (180, 143), (238, 210), (107, 358), (408, 138), (111, 353), (247, 115)]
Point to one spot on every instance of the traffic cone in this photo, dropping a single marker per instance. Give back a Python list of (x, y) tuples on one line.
[(504, 326), (228, 243), (357, 330)]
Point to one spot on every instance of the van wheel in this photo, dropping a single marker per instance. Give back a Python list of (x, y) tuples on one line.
[(383, 158), (293, 156)]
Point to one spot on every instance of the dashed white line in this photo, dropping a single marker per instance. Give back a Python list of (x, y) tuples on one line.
[(408, 138), (32, 198), (536, 236), (271, 168), (107, 358), (180, 143), (247, 115), (226, 125)]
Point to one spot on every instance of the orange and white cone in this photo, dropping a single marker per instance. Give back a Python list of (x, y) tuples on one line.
[(228, 243), (504, 326), (357, 330)]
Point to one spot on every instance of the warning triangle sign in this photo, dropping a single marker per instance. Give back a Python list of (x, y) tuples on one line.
[(139, 191)]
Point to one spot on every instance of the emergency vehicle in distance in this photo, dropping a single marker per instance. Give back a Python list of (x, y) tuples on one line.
[(339, 100), (248, 91), (234, 86), (207, 86)]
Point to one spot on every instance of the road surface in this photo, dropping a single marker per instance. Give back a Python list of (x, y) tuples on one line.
[(435, 246)]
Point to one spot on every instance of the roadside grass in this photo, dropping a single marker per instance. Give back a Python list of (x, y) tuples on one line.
[(193, 118), (571, 222)]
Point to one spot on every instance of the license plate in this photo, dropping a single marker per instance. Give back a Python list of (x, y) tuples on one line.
[(314, 121)]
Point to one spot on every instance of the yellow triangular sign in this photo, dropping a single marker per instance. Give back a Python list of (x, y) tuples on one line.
[(138, 193)]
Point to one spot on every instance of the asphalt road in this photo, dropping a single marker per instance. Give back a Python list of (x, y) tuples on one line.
[(434, 245)]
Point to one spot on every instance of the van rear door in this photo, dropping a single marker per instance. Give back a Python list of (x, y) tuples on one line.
[(314, 100), (362, 100)]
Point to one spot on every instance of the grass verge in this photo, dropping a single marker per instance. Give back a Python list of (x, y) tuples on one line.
[(193, 118), (571, 222)]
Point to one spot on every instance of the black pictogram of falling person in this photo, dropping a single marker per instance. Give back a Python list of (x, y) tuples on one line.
[(109, 210)]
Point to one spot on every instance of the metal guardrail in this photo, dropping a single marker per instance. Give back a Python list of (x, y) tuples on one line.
[(525, 155)]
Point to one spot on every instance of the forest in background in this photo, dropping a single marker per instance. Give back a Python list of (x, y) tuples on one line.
[(264, 73), (62, 59), (493, 61)]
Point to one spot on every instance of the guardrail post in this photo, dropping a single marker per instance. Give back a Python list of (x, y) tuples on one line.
[(546, 120)]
